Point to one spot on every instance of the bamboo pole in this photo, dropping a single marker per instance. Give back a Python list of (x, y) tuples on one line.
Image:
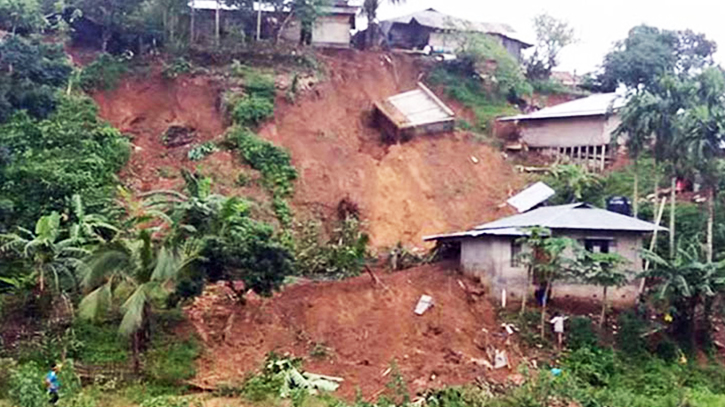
[(660, 212)]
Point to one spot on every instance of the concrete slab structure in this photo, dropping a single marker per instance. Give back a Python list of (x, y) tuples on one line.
[(415, 112)]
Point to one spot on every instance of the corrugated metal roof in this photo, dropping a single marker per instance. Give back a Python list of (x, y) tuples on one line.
[(435, 19), (579, 216), (594, 105), (531, 196), (476, 233), (340, 7), (415, 108), (573, 216)]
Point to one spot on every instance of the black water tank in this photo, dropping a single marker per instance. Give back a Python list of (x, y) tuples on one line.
[(619, 204)]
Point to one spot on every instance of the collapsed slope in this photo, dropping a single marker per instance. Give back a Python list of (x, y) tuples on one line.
[(354, 329), (405, 191)]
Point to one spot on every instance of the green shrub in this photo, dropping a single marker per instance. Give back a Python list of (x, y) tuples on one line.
[(667, 350), (273, 162), (593, 365), (251, 110), (167, 401), (103, 73), (33, 73), (70, 152), (177, 67), (342, 255), (26, 386), (581, 333), (198, 152), (260, 85), (629, 337), (7, 366)]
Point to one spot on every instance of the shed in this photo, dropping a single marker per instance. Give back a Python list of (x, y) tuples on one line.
[(491, 251), (415, 112)]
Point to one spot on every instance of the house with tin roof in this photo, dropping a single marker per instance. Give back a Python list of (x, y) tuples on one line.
[(582, 129), (491, 251), (443, 33)]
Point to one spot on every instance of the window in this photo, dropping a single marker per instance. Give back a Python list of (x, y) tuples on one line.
[(600, 245), (515, 253)]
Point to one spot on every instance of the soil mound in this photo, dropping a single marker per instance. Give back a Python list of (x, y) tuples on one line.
[(354, 329)]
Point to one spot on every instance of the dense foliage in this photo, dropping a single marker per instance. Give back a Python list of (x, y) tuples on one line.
[(44, 162), (31, 73)]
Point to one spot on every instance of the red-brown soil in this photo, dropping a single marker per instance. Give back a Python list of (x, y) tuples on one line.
[(363, 327), (429, 185)]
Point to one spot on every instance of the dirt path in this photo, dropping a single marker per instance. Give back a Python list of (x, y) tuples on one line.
[(354, 330)]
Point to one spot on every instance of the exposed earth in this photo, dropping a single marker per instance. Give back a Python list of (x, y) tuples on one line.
[(355, 329), (429, 185)]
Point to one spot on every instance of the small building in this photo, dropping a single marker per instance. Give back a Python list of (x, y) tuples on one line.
[(331, 29), (491, 251), (581, 129), (418, 111), (444, 33)]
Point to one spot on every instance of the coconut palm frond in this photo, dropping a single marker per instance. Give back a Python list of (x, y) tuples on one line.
[(94, 305), (133, 311)]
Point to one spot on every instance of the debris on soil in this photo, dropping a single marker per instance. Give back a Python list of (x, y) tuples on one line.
[(423, 304), (178, 135), (367, 327)]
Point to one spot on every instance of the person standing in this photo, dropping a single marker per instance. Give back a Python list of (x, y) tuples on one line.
[(558, 323), (52, 383)]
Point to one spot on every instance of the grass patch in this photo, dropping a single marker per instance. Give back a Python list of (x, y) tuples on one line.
[(472, 95), (272, 161), (103, 73)]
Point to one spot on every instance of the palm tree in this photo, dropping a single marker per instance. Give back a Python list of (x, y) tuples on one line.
[(704, 138), (637, 126), (370, 9), (48, 255), (134, 272)]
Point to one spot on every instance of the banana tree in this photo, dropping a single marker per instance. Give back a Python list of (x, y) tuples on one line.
[(46, 252), (685, 282)]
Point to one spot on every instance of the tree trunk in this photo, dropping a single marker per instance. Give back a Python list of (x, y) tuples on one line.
[(710, 220), (136, 352), (191, 23), (673, 200), (216, 24), (635, 192), (604, 307), (543, 308), (525, 294), (105, 37)]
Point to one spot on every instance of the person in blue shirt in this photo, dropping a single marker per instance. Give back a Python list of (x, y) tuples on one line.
[(52, 383)]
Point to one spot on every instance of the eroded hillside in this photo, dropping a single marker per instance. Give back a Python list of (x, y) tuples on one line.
[(405, 191)]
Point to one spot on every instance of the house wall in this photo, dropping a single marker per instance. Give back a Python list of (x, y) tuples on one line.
[(332, 31), (489, 259), (442, 41), (568, 132), (408, 36)]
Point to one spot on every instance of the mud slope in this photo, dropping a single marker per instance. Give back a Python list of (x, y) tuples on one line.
[(354, 330), (144, 107), (425, 186)]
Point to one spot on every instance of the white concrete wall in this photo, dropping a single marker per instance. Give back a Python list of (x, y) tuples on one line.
[(568, 132), (332, 31), (489, 259)]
